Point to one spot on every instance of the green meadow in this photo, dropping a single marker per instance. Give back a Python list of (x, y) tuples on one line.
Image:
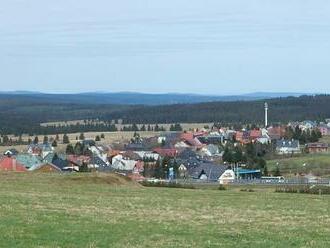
[(97, 210), (317, 164)]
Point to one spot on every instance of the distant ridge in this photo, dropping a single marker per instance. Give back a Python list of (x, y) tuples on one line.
[(136, 98)]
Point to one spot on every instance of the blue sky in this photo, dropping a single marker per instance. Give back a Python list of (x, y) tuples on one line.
[(207, 47)]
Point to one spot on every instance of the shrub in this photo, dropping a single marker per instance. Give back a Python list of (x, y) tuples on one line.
[(304, 189), (247, 190), (221, 187), (167, 185)]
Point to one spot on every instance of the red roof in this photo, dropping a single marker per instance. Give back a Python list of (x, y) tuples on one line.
[(194, 142), (317, 145), (187, 136), (139, 166), (11, 164), (254, 134), (200, 133), (78, 159), (168, 152)]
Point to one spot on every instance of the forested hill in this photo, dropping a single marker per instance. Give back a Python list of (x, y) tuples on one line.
[(133, 98), (280, 110), (25, 115)]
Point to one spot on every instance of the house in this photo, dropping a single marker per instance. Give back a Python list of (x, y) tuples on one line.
[(194, 142), (324, 129), (97, 163), (100, 152), (255, 134), (61, 163), (247, 174), (78, 159), (11, 164), (206, 171), (265, 138), (40, 149), (287, 146), (147, 155), (88, 143), (29, 161), (122, 164), (276, 133), (242, 137), (317, 147), (135, 147), (210, 151), (305, 125), (139, 167), (214, 138), (166, 152), (188, 158), (187, 136), (46, 167), (181, 145), (11, 152), (169, 139), (227, 177)]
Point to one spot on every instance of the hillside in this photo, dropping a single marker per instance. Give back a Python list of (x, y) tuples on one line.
[(316, 164), (134, 98), (75, 211), (24, 113)]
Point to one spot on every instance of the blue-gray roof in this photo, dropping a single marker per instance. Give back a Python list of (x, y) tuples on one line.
[(212, 171), (287, 143)]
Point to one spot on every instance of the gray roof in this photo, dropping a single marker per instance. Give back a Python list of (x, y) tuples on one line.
[(212, 171), (287, 143)]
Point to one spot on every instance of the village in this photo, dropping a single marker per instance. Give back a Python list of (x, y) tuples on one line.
[(213, 154)]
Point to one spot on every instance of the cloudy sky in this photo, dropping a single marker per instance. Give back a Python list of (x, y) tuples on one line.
[(208, 47)]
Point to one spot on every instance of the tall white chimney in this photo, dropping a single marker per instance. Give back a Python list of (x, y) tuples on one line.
[(266, 114)]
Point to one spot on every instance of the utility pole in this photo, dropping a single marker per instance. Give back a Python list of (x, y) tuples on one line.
[(266, 114)]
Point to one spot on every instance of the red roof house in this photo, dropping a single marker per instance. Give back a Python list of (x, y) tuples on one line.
[(255, 134), (166, 152), (11, 164), (242, 137), (187, 136), (317, 147)]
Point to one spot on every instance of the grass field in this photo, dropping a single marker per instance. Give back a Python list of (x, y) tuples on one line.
[(107, 211), (325, 139), (185, 126), (318, 164)]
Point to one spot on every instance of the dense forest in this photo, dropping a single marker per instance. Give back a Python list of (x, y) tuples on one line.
[(24, 114)]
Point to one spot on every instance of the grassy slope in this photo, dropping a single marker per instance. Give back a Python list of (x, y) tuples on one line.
[(318, 164), (79, 211)]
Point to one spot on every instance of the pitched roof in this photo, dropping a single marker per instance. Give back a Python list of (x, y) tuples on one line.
[(119, 163), (60, 162), (79, 160), (11, 164), (11, 152), (28, 160), (96, 160), (41, 146), (212, 171), (317, 145), (287, 143), (169, 152), (255, 133)]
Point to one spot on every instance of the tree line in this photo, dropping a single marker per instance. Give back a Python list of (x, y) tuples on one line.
[(24, 117)]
